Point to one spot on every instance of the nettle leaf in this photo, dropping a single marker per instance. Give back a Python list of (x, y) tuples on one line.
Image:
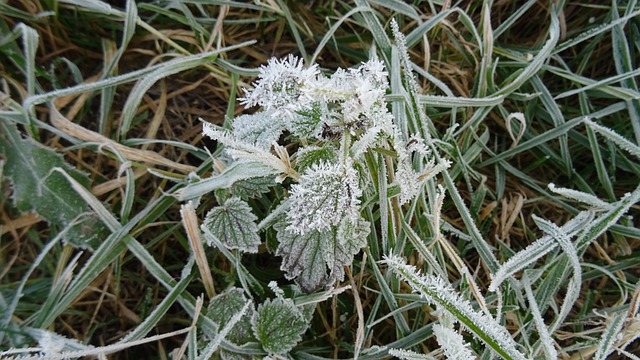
[(224, 306), (317, 258), (310, 155), (234, 224), (37, 188), (307, 123), (260, 129), (253, 187), (325, 194), (278, 324)]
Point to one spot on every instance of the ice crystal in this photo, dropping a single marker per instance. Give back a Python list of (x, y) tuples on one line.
[(452, 343), (409, 355)]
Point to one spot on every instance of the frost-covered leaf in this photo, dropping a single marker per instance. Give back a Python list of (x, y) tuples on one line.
[(224, 306), (537, 249), (325, 194), (580, 196), (234, 224), (613, 136), (278, 324), (317, 258), (260, 129), (244, 151), (37, 188), (310, 155), (307, 123), (253, 187), (280, 85)]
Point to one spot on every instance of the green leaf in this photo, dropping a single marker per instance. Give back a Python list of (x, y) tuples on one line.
[(310, 155), (278, 324), (235, 225), (37, 188), (252, 188), (307, 257), (224, 306)]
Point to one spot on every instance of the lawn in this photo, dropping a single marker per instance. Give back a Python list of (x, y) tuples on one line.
[(319, 180)]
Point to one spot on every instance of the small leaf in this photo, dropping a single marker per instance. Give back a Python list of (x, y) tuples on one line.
[(224, 306), (278, 324), (307, 257), (252, 188), (260, 129), (234, 224), (314, 155), (36, 187)]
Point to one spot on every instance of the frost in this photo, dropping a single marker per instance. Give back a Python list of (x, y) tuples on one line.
[(325, 195), (436, 291), (583, 197), (613, 136), (234, 224), (260, 129), (573, 289), (239, 150), (545, 337), (280, 86), (278, 324), (307, 257), (537, 249), (409, 355), (224, 306), (452, 343)]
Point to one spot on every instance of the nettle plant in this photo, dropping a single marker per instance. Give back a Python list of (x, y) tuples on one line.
[(334, 124), (349, 175)]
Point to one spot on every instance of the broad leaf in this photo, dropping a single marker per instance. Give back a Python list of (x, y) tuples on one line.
[(260, 129), (318, 258), (252, 187), (37, 188), (234, 224), (224, 306), (325, 195), (310, 155), (278, 324)]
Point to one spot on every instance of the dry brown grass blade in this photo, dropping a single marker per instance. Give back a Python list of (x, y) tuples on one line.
[(144, 156), (190, 222)]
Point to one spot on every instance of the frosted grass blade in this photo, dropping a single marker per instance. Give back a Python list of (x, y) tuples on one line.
[(435, 291)]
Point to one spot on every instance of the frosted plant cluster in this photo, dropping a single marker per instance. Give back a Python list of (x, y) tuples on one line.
[(329, 124)]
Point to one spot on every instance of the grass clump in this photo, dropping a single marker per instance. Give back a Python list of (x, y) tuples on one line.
[(286, 180)]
